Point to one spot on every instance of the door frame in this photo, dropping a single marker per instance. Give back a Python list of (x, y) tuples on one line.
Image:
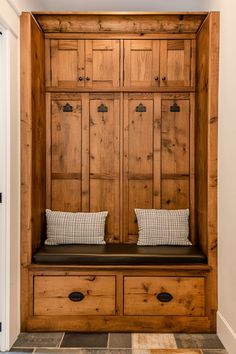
[(10, 187)]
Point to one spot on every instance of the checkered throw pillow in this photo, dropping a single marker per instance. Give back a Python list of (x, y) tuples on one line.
[(70, 228), (163, 227)]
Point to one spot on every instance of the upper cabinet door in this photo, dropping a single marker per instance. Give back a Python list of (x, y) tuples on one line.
[(67, 63), (102, 63), (141, 63), (175, 63)]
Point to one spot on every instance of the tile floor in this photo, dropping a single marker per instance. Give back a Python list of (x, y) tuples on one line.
[(118, 343)]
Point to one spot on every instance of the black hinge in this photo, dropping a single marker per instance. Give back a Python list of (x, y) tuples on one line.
[(0, 197), (0, 326)]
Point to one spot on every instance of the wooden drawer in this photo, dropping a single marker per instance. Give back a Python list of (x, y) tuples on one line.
[(91, 295), (177, 296)]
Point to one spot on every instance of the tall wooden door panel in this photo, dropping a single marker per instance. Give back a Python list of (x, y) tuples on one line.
[(67, 63), (141, 63), (104, 159), (102, 63), (175, 63), (177, 154), (66, 149), (141, 158)]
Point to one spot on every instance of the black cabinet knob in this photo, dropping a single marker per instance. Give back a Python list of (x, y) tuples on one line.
[(164, 297), (81, 78), (164, 78), (156, 78), (87, 78), (76, 296)]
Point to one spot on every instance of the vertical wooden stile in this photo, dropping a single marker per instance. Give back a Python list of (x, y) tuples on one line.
[(157, 152), (192, 169), (48, 152), (85, 152)]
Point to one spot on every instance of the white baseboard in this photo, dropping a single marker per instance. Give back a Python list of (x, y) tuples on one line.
[(226, 334)]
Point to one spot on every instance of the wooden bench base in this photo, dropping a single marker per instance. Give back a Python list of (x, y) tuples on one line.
[(146, 299)]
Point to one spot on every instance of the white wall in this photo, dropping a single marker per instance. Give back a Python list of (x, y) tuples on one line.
[(227, 128), (10, 237)]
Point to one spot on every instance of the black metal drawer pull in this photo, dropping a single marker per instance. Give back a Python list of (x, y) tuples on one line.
[(164, 297), (67, 108), (76, 296)]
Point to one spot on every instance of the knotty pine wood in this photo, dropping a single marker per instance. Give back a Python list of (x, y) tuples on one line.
[(175, 63), (51, 295), (33, 146), (119, 35), (148, 324), (206, 178), (177, 187), (104, 160), (157, 156), (141, 63), (84, 63), (120, 23), (140, 296)]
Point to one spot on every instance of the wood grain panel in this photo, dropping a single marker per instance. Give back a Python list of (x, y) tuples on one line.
[(140, 296), (67, 63), (104, 162), (175, 194), (140, 196), (141, 63), (206, 150), (33, 145), (141, 162), (175, 137), (66, 194), (175, 63), (51, 295), (66, 137), (121, 23), (202, 135), (102, 63)]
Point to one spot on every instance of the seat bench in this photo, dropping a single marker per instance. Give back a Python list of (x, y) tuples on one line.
[(117, 254)]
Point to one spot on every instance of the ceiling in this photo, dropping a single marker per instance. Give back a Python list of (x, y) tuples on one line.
[(111, 5)]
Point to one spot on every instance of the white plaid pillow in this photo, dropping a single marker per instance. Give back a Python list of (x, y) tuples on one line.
[(70, 228), (163, 227)]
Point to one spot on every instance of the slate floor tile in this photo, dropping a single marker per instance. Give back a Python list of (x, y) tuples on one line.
[(153, 341), (82, 351), (20, 351), (175, 351), (203, 341), (166, 351), (32, 340), (119, 340), (214, 351), (85, 340), (57, 351)]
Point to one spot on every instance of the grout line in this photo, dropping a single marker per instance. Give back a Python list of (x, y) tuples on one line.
[(108, 340), (63, 335)]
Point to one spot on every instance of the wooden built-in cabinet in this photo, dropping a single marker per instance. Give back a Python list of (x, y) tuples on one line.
[(99, 64), (119, 111), (84, 63), (158, 63)]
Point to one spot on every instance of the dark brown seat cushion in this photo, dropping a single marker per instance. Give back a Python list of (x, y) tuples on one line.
[(118, 254)]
